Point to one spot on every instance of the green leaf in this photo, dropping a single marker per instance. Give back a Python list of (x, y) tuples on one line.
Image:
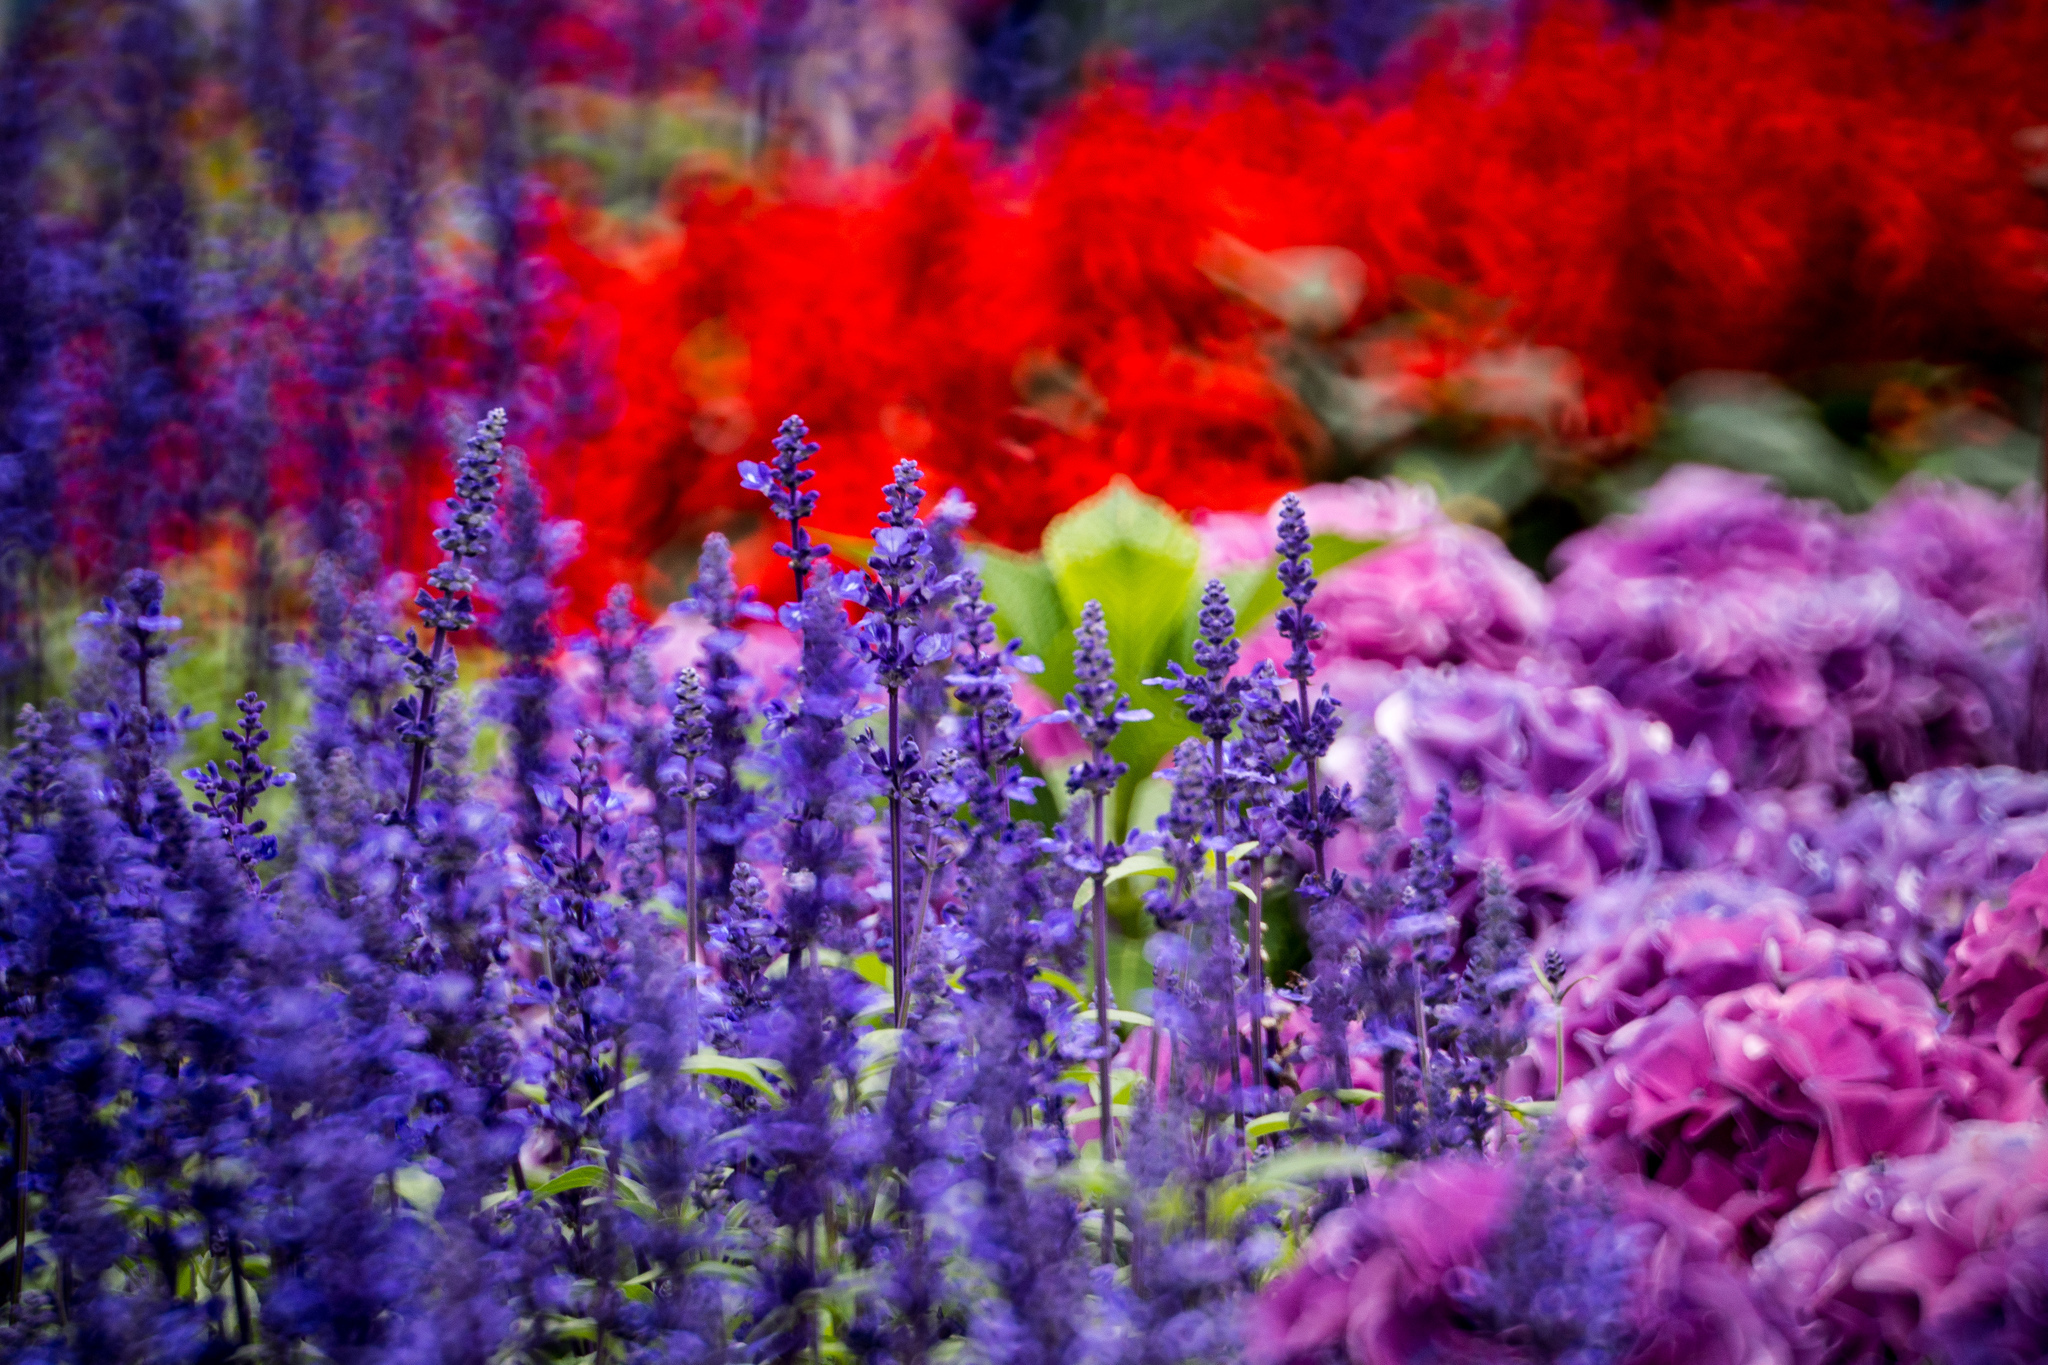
[(1752, 424), (1312, 1163), (1028, 608), (1136, 556), (575, 1178), (746, 1070), (1147, 864), (1265, 1125), (418, 1187), (1070, 987), (1530, 1109), (1506, 478), (869, 967)]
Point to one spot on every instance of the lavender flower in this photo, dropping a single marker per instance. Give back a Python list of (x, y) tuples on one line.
[(782, 482), (230, 799), (1098, 709), (519, 567), (690, 741), (730, 812), (466, 537), (897, 594)]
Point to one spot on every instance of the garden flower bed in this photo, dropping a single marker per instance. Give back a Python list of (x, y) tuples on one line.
[(1371, 722)]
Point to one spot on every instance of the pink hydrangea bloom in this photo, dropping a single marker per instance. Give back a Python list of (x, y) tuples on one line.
[(1997, 986), (1560, 783), (1943, 1255), (1634, 946), (1961, 545), (1437, 592), (1467, 1260), (1759, 622), (1757, 1099)]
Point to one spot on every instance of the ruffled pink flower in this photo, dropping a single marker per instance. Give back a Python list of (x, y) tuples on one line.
[(1759, 622), (1559, 783), (1943, 1255), (1961, 545), (1466, 1260), (1635, 946), (1757, 1099), (1997, 986), (1437, 592)]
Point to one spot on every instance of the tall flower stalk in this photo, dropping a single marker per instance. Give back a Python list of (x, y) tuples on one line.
[(690, 741), (899, 587), (1098, 708), (1212, 701), (782, 482), (466, 539)]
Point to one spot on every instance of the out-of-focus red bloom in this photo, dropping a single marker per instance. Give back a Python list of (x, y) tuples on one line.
[(1736, 187)]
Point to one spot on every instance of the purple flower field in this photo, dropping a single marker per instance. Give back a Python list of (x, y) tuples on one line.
[(1284, 939)]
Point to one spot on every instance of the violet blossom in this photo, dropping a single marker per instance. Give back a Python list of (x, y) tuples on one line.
[(1757, 622), (1997, 984), (1463, 1259), (1936, 1256), (1752, 1101)]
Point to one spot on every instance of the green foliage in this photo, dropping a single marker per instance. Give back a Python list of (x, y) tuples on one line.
[(1140, 558)]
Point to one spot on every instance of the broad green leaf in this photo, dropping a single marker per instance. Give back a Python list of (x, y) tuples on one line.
[(1136, 556), (1506, 478), (1265, 1125), (1028, 608), (1147, 864), (1750, 423), (1066, 984), (1311, 1163), (575, 1178), (869, 967)]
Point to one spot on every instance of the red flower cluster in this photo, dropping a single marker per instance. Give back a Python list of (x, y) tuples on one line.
[(1735, 187)]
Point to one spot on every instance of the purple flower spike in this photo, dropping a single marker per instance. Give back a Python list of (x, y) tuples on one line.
[(782, 482)]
